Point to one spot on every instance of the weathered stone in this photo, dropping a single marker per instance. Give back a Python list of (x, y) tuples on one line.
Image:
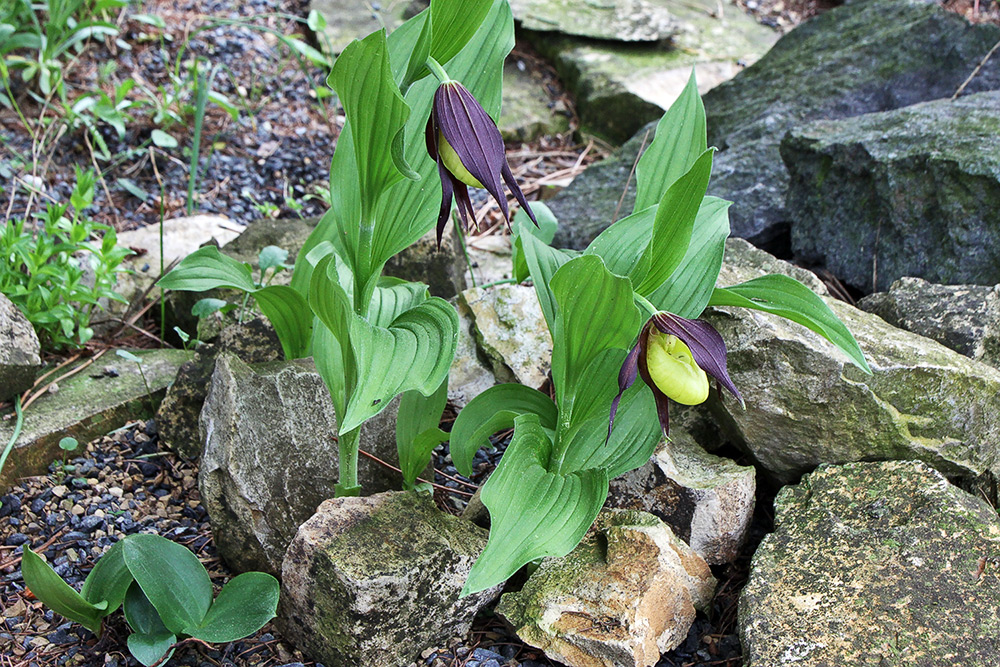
[(744, 262), (859, 58), (621, 20), (620, 87), (19, 351), (874, 564), (254, 342), (270, 456), (441, 269), (347, 20), (370, 582), (527, 113), (965, 318), (99, 399), (469, 375), (512, 332), (910, 192), (706, 500), (807, 404), (625, 595)]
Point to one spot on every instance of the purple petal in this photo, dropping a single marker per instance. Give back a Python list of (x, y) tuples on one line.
[(508, 177), (465, 206), (447, 189), (626, 378), (662, 403), (706, 345), (474, 136)]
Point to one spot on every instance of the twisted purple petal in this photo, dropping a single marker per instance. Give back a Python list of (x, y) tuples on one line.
[(706, 345), (626, 378)]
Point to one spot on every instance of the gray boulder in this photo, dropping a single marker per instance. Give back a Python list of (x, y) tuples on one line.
[(370, 582), (19, 351), (859, 58), (270, 457), (874, 564), (965, 318), (910, 192), (807, 404), (620, 20), (707, 500)]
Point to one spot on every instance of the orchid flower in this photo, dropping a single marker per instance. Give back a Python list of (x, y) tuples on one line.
[(674, 356), (467, 146)]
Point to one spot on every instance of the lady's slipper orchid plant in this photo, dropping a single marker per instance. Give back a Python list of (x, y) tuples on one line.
[(467, 146), (674, 356)]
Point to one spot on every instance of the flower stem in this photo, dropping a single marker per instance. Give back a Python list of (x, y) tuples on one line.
[(348, 444), (435, 67), (645, 304)]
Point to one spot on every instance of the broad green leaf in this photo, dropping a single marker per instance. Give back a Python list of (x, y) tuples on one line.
[(545, 231), (673, 226), (680, 138), (787, 297), (141, 615), (416, 56), (172, 578), (417, 431), (109, 580), (687, 291), (623, 244), (543, 261), (59, 596), (494, 410), (151, 649), (588, 322), (163, 139), (534, 513), (453, 23), (244, 605), (205, 307), (290, 316), (270, 257), (328, 357), (363, 80), (207, 268), (392, 298)]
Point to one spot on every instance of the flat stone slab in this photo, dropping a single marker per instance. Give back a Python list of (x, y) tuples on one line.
[(909, 192), (347, 20), (874, 564), (618, 20), (527, 112), (104, 396)]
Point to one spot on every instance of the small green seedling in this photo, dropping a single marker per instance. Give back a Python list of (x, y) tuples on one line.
[(165, 593)]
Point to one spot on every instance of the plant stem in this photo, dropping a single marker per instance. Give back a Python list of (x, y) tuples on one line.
[(348, 445), (16, 434), (505, 281), (645, 304), (465, 249), (438, 71)]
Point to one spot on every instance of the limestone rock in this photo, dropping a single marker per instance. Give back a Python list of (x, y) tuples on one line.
[(103, 397), (19, 351), (370, 582), (254, 342), (743, 262), (910, 192), (621, 20), (859, 58), (347, 20), (706, 500), (807, 404), (527, 113), (625, 595), (965, 318), (270, 457), (441, 269), (512, 332), (874, 564), (620, 87), (469, 375)]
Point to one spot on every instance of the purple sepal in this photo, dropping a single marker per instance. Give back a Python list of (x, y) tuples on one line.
[(706, 345)]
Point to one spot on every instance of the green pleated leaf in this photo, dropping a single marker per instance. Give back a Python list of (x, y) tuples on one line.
[(141, 615), (687, 291), (680, 138), (329, 360), (416, 56), (543, 261), (59, 596), (290, 316), (494, 410), (364, 83), (545, 232), (393, 297), (150, 649), (109, 580), (787, 297), (453, 23), (207, 268), (588, 322), (534, 513), (244, 605), (623, 244), (172, 578), (673, 226), (417, 432)]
